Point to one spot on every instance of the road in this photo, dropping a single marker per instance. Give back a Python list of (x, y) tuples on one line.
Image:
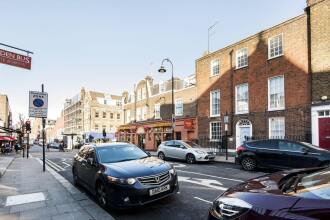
[(200, 184)]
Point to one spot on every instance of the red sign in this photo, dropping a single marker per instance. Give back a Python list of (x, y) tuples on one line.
[(14, 59), (188, 124)]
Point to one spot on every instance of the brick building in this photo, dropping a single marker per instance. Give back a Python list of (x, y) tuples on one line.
[(264, 82), (147, 112)]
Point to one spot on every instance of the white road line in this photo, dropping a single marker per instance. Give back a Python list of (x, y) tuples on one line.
[(218, 177), (203, 200), (52, 164), (67, 165), (213, 184)]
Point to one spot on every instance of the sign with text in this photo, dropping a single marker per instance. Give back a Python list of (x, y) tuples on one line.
[(38, 104), (15, 59)]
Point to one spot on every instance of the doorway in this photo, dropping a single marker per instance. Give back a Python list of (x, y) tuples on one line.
[(324, 133), (243, 131)]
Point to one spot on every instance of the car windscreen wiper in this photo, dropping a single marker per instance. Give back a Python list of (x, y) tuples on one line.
[(297, 180), (292, 183)]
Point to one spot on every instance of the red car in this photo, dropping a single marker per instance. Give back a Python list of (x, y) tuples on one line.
[(302, 194)]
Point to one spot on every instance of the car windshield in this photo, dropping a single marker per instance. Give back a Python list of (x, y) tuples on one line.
[(191, 144), (315, 185), (120, 153)]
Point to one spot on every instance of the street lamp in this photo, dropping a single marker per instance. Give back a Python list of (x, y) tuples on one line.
[(163, 70)]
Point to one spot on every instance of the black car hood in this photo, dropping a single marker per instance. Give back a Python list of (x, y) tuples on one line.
[(264, 191), (137, 168)]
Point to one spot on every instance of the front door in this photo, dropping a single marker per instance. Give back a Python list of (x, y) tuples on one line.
[(141, 140), (244, 133), (324, 133)]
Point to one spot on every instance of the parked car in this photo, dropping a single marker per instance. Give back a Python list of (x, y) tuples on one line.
[(184, 150), (280, 154), (54, 145), (122, 175), (302, 194)]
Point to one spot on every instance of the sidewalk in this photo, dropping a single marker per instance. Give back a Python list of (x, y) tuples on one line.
[(5, 161), (43, 195), (220, 159)]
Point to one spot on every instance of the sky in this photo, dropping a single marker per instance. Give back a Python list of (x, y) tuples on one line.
[(109, 45)]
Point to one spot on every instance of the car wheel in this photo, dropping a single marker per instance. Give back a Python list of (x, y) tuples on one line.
[(190, 158), (161, 155), (249, 163), (75, 177), (101, 195)]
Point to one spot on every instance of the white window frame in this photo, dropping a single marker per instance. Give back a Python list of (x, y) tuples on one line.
[(269, 101), (211, 103), (157, 109), (271, 136), (128, 116), (236, 99), (214, 63), (176, 105), (269, 45), (144, 93), (247, 57), (144, 113), (210, 127)]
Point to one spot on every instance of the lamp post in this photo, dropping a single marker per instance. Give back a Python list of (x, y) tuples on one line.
[(226, 122), (163, 70)]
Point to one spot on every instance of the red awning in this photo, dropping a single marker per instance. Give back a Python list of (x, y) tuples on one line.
[(7, 138)]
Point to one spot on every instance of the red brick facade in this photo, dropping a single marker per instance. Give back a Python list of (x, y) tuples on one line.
[(292, 65)]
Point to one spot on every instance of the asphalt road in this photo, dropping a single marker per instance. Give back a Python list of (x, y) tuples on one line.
[(200, 184)]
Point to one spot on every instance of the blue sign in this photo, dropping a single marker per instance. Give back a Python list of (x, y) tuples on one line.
[(38, 103)]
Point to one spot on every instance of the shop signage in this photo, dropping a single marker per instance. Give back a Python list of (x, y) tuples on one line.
[(15, 59)]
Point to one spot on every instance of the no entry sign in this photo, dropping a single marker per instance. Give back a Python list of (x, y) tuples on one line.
[(15, 59), (38, 104)]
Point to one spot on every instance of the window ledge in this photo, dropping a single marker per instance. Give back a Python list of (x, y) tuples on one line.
[(211, 76), (276, 109), (214, 116), (241, 67), (242, 113), (270, 58)]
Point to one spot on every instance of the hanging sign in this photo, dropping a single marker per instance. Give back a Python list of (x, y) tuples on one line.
[(15, 59)]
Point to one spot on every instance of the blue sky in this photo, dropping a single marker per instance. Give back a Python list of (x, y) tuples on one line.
[(108, 45)]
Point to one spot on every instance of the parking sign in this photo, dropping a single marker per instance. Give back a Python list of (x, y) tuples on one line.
[(38, 104)]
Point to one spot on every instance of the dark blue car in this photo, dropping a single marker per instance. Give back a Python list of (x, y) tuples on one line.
[(122, 175)]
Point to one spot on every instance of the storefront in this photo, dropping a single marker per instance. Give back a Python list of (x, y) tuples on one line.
[(148, 135)]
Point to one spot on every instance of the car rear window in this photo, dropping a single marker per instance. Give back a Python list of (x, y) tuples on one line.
[(266, 144)]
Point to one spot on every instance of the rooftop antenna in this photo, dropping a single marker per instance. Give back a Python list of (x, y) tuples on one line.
[(209, 34)]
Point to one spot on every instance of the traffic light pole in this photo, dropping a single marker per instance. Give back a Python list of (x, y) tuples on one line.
[(43, 138)]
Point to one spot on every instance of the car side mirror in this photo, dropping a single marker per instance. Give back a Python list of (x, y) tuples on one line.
[(90, 161), (305, 150)]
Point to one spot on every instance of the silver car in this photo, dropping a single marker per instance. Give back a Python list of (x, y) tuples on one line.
[(185, 150)]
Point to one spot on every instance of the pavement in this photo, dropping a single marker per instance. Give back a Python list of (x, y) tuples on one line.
[(5, 161), (199, 184), (28, 193)]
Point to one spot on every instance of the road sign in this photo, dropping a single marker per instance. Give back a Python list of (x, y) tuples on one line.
[(38, 104), (15, 59)]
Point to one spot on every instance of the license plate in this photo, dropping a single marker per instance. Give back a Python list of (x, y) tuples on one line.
[(159, 190)]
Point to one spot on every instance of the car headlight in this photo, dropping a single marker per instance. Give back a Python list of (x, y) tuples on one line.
[(200, 152), (115, 180), (172, 171), (230, 208)]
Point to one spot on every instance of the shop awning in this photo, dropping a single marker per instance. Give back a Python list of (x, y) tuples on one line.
[(7, 138)]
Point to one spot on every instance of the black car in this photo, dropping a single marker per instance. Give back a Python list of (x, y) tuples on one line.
[(122, 175), (280, 154)]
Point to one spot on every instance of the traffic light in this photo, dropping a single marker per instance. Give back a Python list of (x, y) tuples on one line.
[(28, 126)]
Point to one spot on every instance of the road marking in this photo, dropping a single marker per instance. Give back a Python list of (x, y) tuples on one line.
[(67, 165), (203, 200), (177, 165), (54, 165), (218, 177), (214, 184)]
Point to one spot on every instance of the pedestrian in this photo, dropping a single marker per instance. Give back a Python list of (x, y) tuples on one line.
[(48, 145), (16, 148)]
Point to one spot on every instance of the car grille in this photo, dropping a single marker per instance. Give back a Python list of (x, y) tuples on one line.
[(154, 180)]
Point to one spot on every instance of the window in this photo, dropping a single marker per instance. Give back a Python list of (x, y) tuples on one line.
[(161, 86), (118, 116), (178, 107), (215, 131), (215, 103), (128, 116), (215, 67), (323, 113), (276, 93), (290, 146), (104, 114), (157, 111), (144, 113), (144, 93), (275, 46), (139, 114), (111, 115), (96, 127), (139, 96), (276, 128), (118, 103), (96, 114), (241, 58), (242, 98)]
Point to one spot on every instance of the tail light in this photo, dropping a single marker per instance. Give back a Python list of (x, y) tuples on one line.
[(240, 149)]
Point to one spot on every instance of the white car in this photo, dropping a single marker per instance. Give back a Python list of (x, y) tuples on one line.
[(185, 150)]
